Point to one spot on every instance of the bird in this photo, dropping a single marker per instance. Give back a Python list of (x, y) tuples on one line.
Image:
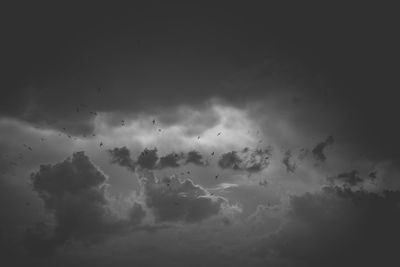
[(101, 143), (219, 134), (154, 122), (212, 154), (198, 137), (216, 176), (29, 148), (188, 172), (122, 122), (159, 130)]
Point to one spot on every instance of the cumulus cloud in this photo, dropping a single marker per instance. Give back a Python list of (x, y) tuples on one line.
[(350, 178), (338, 227), (74, 192), (246, 160), (196, 158), (150, 160), (174, 200), (318, 150), (122, 157), (171, 160), (147, 159), (287, 161)]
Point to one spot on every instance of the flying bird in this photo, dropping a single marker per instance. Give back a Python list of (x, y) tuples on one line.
[(219, 134), (154, 122), (216, 176), (101, 144), (198, 137), (212, 154)]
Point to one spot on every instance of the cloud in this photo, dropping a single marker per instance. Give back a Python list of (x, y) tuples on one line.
[(196, 158), (289, 164), (147, 159), (171, 160), (174, 200), (246, 160), (338, 227), (230, 160), (347, 178), (318, 150), (122, 157), (74, 192)]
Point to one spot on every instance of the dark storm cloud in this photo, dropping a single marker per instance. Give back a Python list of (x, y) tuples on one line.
[(350, 178), (147, 159), (122, 157), (74, 192), (287, 161), (318, 150), (47, 79), (174, 200), (196, 158), (246, 160), (230, 160), (171, 160), (150, 160), (339, 227)]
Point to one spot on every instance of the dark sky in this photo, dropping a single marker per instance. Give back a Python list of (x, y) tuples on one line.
[(242, 130)]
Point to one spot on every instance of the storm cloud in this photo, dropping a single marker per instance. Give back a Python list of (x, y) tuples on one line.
[(75, 193), (362, 229), (319, 150), (175, 200), (288, 162), (246, 160)]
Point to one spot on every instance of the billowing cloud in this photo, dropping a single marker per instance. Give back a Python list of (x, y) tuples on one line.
[(246, 160), (171, 160), (122, 157), (230, 160), (147, 159), (350, 178), (150, 160), (288, 162), (196, 158), (318, 150), (338, 227), (74, 192), (175, 200)]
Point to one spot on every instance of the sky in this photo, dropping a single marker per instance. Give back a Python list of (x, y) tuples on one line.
[(246, 134)]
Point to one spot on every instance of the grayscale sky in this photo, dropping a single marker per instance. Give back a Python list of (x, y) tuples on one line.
[(199, 134)]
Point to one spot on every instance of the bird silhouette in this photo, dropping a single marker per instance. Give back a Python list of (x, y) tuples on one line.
[(154, 122), (212, 154), (101, 144), (219, 134)]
